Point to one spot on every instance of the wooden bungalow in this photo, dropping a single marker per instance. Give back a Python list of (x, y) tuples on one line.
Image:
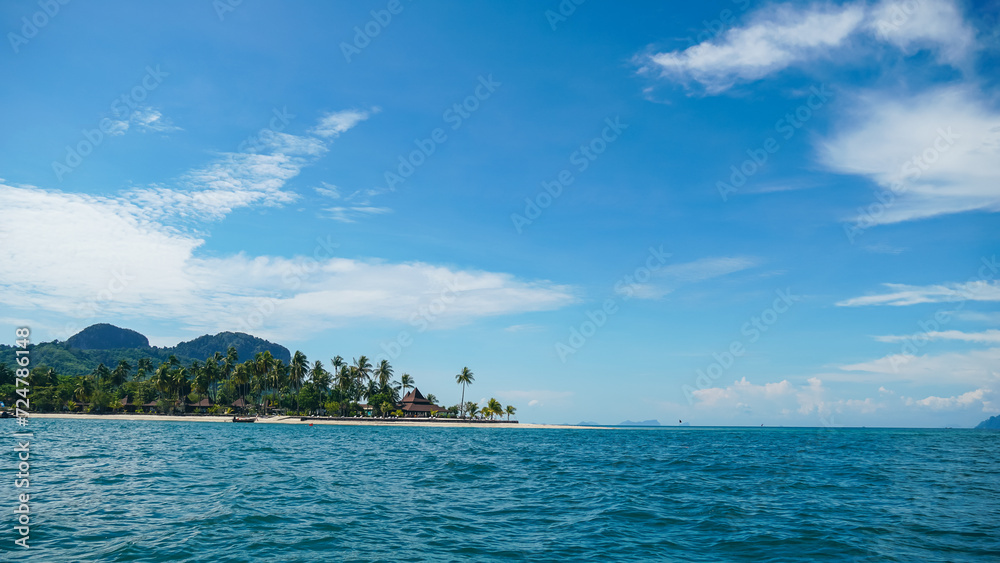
[(128, 405), (201, 406), (416, 405)]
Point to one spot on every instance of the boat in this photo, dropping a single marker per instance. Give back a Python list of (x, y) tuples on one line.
[(244, 419)]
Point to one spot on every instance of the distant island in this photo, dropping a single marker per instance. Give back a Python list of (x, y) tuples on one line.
[(641, 423), (105, 368), (991, 423)]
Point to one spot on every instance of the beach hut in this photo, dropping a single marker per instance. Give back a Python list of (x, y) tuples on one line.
[(414, 404), (201, 406)]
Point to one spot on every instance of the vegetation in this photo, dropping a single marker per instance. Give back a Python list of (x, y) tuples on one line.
[(260, 384)]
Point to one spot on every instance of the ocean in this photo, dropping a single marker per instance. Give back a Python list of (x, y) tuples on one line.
[(185, 491)]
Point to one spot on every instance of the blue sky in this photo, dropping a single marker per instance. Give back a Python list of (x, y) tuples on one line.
[(723, 213)]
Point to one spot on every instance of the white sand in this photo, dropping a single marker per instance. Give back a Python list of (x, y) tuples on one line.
[(296, 420)]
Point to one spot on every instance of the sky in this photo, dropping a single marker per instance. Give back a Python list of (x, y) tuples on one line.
[(722, 213)]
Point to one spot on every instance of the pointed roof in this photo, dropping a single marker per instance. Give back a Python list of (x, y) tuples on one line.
[(415, 402)]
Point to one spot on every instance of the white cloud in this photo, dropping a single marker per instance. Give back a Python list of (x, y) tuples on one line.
[(334, 123), (328, 190), (902, 294), (984, 398), (84, 256), (775, 39), (352, 214), (79, 246), (150, 119), (778, 37), (924, 24), (985, 337), (782, 398), (668, 279), (931, 154), (974, 366)]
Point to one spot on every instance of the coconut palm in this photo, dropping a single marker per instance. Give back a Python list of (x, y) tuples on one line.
[(363, 369), (383, 373), (144, 366), (464, 378), (406, 382), (494, 407), (120, 374), (510, 411), (431, 399), (297, 374), (471, 408)]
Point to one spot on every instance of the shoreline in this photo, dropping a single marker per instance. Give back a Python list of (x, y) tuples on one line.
[(424, 423)]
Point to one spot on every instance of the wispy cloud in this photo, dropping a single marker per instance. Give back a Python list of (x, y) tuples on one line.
[(775, 39), (985, 337), (973, 366), (778, 37), (147, 119), (932, 154), (331, 125), (328, 190), (670, 278), (983, 398), (902, 294), (353, 214), (74, 247)]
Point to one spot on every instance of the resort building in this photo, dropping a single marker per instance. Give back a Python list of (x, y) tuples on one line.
[(416, 405)]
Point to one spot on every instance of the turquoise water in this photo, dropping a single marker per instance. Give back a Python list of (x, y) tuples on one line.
[(166, 491)]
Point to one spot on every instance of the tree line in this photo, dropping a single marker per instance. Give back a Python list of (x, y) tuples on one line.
[(258, 385)]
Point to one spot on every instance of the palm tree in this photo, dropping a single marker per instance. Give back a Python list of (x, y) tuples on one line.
[(263, 363), (84, 387), (144, 365), (320, 377), (494, 407), (471, 408), (120, 374), (431, 399), (297, 374), (464, 378), (337, 362), (383, 373), (161, 379), (363, 368), (406, 381), (510, 411)]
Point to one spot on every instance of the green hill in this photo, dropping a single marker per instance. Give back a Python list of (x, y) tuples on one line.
[(101, 344), (107, 337), (991, 423), (246, 346)]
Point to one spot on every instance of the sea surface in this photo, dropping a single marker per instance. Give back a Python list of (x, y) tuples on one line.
[(185, 491)]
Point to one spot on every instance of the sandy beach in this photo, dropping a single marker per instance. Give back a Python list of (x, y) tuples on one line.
[(297, 420)]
